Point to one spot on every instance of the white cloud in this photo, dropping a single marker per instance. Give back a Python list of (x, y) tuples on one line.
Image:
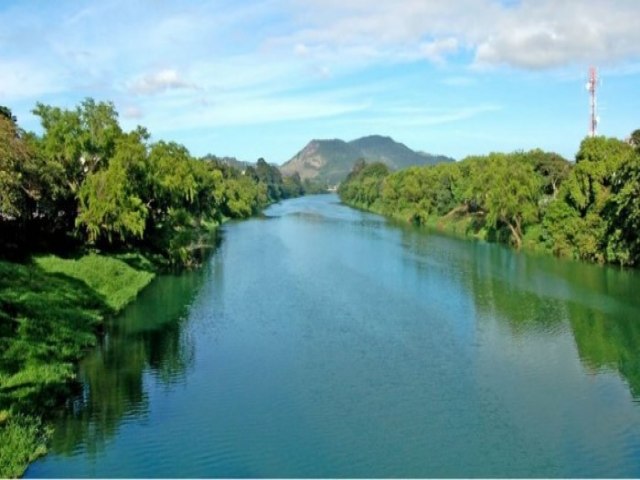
[(132, 112), (160, 81), (547, 34), (531, 34), (438, 49), (223, 62), (301, 49)]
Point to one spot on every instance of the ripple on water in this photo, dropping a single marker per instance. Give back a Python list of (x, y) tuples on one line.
[(326, 342)]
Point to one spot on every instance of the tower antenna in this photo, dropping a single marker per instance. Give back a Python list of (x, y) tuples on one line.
[(592, 86)]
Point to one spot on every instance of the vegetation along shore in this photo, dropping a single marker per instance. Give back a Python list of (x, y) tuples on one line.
[(588, 209), (89, 214)]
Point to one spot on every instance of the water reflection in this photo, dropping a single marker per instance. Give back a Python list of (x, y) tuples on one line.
[(606, 342), (148, 342), (544, 295), (347, 347)]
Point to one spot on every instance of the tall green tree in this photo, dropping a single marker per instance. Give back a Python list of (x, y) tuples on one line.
[(8, 114), (111, 205), (586, 223), (15, 155), (635, 138), (75, 143), (553, 169), (513, 193)]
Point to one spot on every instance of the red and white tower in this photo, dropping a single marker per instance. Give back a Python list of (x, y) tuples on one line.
[(592, 86)]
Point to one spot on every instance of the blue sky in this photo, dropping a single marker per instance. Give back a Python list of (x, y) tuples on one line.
[(262, 78)]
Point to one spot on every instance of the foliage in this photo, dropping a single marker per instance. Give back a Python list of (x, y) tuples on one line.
[(86, 179), (510, 193), (596, 215), (634, 139), (112, 279), (278, 187), (312, 187), (553, 169), (15, 160), (364, 183), (6, 113), (87, 183), (50, 310), (23, 439), (243, 197), (109, 203), (590, 210)]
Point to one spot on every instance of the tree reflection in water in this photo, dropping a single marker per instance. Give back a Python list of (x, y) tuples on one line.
[(148, 338)]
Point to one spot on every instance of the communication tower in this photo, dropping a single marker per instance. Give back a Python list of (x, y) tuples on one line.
[(592, 86)]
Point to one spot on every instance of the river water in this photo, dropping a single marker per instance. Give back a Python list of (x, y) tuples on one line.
[(320, 341)]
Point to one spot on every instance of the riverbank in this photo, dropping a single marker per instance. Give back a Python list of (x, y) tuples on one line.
[(459, 225), (536, 200), (51, 310), (323, 342)]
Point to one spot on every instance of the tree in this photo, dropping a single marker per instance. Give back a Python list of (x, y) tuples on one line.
[(623, 214), (75, 144), (596, 224), (82, 140), (15, 156), (552, 167), (6, 113), (513, 191), (110, 204), (364, 184), (635, 139), (269, 175), (26, 181), (292, 186), (243, 197)]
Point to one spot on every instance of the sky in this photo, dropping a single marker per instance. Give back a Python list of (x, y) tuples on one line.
[(261, 78)]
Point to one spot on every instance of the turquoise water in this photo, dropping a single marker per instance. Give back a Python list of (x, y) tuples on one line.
[(321, 341)]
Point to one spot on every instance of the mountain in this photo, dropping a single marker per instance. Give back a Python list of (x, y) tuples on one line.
[(331, 160), (229, 161)]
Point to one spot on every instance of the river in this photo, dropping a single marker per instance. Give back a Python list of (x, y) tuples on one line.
[(321, 341)]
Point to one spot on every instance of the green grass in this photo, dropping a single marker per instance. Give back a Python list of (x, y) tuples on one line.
[(112, 278), (22, 440), (50, 311)]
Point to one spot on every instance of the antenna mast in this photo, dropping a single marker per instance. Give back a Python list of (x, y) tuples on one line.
[(592, 85)]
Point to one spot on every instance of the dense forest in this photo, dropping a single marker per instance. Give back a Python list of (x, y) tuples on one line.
[(85, 181), (588, 209), (88, 214)]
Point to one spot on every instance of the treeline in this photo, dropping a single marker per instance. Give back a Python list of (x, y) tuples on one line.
[(83, 185), (589, 209), (87, 181)]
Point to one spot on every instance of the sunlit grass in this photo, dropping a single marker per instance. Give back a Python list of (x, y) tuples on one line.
[(22, 440), (116, 281), (50, 310)]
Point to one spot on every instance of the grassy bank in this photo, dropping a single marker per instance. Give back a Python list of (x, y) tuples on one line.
[(50, 312)]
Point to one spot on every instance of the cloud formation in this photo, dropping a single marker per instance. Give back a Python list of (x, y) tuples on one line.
[(437, 50), (262, 62), (530, 34), (160, 81)]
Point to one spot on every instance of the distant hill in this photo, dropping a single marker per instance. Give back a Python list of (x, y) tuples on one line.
[(331, 160), (230, 161)]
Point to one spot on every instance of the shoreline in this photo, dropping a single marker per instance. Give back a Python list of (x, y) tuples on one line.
[(71, 299)]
